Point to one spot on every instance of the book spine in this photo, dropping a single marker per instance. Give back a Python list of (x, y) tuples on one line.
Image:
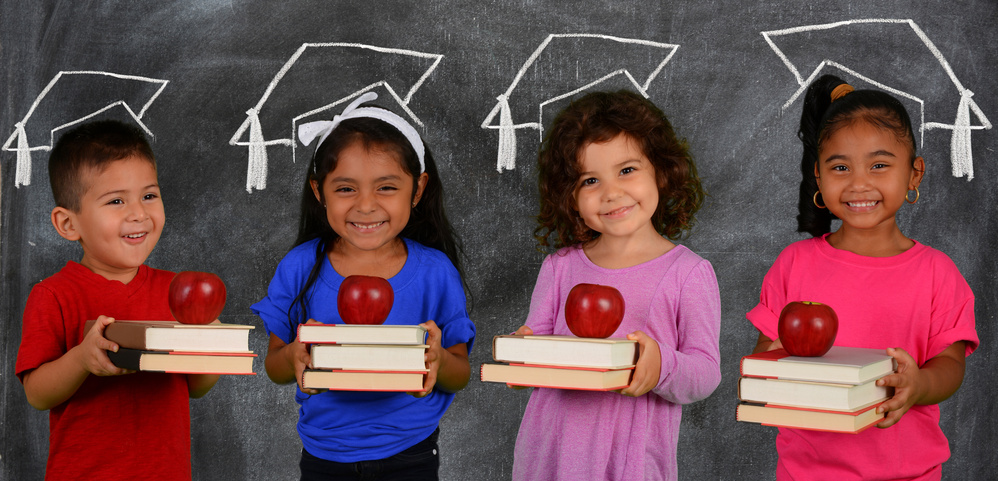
[(126, 358)]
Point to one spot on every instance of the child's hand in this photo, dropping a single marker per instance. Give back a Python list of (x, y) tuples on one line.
[(909, 387), (432, 357), (301, 357), (522, 331), (92, 351), (648, 368)]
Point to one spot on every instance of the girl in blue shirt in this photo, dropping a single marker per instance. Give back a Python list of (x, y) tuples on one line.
[(372, 205)]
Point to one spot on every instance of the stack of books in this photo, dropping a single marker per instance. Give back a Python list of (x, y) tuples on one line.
[(169, 346), (562, 362), (364, 357), (836, 392)]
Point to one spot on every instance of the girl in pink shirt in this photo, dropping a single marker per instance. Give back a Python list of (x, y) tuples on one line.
[(616, 185), (889, 292)]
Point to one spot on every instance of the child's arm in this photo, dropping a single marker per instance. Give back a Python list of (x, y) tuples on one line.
[(285, 363), (648, 369), (764, 344), (54, 382), (933, 383), (199, 384), (449, 367)]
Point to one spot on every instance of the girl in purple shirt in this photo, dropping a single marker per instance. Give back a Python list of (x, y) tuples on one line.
[(616, 187)]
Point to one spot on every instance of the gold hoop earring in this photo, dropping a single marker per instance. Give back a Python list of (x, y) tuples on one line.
[(815, 200), (917, 194)]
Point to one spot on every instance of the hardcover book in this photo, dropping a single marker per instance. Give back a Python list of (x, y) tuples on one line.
[(183, 362), (343, 380), (812, 419), (589, 379), (361, 334), (567, 351), (810, 394), (369, 357), (174, 336), (848, 365)]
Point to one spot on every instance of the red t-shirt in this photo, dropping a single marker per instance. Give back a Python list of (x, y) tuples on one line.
[(117, 427)]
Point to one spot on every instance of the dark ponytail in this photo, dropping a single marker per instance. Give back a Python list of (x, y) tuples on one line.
[(820, 118)]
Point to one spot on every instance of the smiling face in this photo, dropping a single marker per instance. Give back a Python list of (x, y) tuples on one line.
[(368, 198), (864, 172), (617, 193), (120, 218)]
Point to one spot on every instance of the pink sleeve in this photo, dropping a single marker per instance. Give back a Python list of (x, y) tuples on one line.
[(692, 371), (765, 316), (43, 334), (952, 313), (544, 301)]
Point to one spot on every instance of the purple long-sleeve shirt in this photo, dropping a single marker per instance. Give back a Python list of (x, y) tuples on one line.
[(572, 435)]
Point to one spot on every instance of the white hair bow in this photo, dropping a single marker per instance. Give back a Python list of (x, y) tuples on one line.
[(308, 132)]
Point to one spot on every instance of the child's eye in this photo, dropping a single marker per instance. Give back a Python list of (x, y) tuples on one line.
[(115, 202), (150, 196), (388, 188), (840, 168), (879, 165), (344, 189), (627, 170), (589, 181)]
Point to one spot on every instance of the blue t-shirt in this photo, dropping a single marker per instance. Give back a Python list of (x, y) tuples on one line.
[(346, 426)]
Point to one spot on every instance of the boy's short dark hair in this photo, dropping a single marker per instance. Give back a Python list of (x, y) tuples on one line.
[(87, 149)]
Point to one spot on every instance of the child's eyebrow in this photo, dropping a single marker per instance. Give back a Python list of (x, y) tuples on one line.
[(379, 179), (122, 191)]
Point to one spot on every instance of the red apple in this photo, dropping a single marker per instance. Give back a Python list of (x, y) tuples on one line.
[(807, 328), (364, 300), (592, 310), (196, 297)]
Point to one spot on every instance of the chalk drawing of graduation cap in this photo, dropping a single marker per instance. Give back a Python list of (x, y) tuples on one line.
[(565, 65), (72, 97), (314, 81), (894, 55)]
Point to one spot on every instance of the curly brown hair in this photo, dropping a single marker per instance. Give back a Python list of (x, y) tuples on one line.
[(600, 117)]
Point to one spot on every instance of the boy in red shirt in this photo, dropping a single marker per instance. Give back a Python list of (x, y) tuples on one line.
[(105, 422)]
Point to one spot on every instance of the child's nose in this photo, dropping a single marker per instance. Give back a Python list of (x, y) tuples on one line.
[(366, 202), (138, 212)]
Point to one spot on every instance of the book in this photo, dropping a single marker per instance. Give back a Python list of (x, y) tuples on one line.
[(589, 379), (345, 380), (174, 336), (847, 365), (183, 362), (369, 357), (811, 394), (568, 351), (812, 419), (361, 334)]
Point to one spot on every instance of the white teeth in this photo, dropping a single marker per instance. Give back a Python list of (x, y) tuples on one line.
[(135, 236), (368, 226), (862, 204)]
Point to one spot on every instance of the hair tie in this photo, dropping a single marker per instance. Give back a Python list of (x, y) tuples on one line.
[(841, 91), (308, 131)]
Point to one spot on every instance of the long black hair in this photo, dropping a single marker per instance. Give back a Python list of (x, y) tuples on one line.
[(821, 118), (427, 224)]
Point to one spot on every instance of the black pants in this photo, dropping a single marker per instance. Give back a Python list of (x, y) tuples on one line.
[(420, 462)]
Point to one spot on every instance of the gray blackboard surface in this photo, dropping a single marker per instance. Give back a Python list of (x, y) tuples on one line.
[(189, 71)]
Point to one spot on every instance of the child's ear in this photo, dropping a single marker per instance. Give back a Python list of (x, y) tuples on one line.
[(817, 174), (917, 174), (64, 221), (420, 187), (315, 190)]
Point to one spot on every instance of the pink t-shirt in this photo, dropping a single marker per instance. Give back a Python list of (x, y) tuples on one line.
[(575, 435), (917, 301)]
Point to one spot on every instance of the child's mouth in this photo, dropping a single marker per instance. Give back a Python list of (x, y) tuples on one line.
[(365, 227)]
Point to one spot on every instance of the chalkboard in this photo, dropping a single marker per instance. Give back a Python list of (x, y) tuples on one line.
[(219, 86)]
